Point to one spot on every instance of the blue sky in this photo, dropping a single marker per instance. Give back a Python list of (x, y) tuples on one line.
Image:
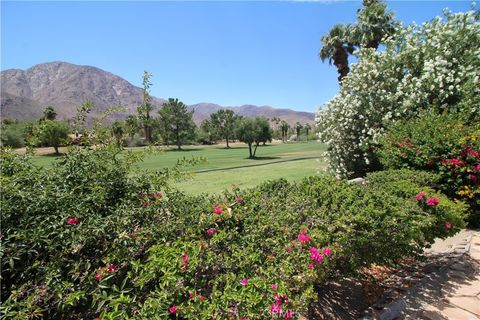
[(230, 53)]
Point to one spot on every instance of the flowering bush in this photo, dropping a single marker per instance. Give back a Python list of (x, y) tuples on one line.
[(429, 67), (444, 144), (79, 243)]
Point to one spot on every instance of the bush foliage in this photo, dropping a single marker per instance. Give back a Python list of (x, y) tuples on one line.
[(433, 67), (445, 144), (87, 239)]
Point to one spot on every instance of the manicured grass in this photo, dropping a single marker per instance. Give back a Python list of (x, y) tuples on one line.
[(225, 167)]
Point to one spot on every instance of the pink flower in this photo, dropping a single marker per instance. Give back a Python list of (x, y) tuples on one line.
[(476, 168), (420, 196), (472, 177), (191, 295), (303, 237), (146, 204), (310, 265), (326, 251), (184, 267), (288, 249), (202, 298), (315, 255), (112, 268), (185, 259), (157, 195), (432, 201), (172, 309), (288, 315), (448, 225), (274, 287), (217, 210), (275, 308), (211, 231), (73, 221), (98, 276), (244, 282), (239, 200)]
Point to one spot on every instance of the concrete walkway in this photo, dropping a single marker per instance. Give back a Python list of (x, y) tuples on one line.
[(453, 291)]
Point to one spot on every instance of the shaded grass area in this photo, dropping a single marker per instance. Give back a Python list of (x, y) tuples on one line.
[(225, 167)]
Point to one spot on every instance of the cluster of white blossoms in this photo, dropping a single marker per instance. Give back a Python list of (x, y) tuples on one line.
[(435, 66)]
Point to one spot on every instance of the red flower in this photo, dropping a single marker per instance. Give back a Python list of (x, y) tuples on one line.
[(184, 267), (202, 298), (448, 225), (303, 237), (310, 265), (112, 268), (239, 200), (172, 309), (288, 249), (98, 276), (191, 295), (217, 210), (211, 231), (73, 221), (157, 195), (146, 204), (432, 202), (185, 258), (420, 196)]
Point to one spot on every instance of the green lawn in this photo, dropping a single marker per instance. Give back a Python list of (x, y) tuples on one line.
[(225, 167)]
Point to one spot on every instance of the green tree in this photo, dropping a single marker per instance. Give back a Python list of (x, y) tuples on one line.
[(177, 122), (298, 129), (284, 126), (224, 122), (118, 131), (49, 113), (253, 131), (146, 107), (51, 133), (307, 128), (131, 125), (208, 132)]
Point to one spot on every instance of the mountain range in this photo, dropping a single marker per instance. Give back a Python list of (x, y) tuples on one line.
[(65, 86)]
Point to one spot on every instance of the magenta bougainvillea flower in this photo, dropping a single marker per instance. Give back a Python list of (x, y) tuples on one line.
[(420, 196), (239, 200), (315, 255), (432, 202), (202, 298), (303, 237), (73, 221), (289, 314), (326, 251), (191, 295), (274, 287), (310, 265), (244, 282), (211, 231), (288, 249), (217, 210), (185, 258), (172, 309), (157, 195), (275, 308), (98, 277), (448, 225)]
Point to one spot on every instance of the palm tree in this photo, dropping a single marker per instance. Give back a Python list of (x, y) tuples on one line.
[(374, 23), (336, 48), (307, 129), (284, 126), (298, 128)]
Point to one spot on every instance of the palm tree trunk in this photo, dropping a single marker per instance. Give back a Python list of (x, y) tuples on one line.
[(340, 60)]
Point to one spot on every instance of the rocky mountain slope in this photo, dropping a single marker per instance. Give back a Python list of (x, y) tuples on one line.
[(25, 93)]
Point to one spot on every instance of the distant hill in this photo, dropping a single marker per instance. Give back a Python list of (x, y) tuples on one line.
[(25, 93)]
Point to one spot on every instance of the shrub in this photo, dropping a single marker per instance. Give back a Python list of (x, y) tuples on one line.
[(428, 67), (443, 144), (88, 239)]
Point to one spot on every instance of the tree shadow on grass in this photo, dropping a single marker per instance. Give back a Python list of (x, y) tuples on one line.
[(184, 150), (263, 158)]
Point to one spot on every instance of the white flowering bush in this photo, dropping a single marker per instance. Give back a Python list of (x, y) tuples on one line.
[(434, 66)]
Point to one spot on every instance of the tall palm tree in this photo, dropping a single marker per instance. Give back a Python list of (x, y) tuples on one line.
[(336, 48), (373, 24), (307, 129)]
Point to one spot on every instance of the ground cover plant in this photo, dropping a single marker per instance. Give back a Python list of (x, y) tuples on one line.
[(86, 239)]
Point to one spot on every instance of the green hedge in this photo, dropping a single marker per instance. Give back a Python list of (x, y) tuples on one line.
[(88, 239)]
